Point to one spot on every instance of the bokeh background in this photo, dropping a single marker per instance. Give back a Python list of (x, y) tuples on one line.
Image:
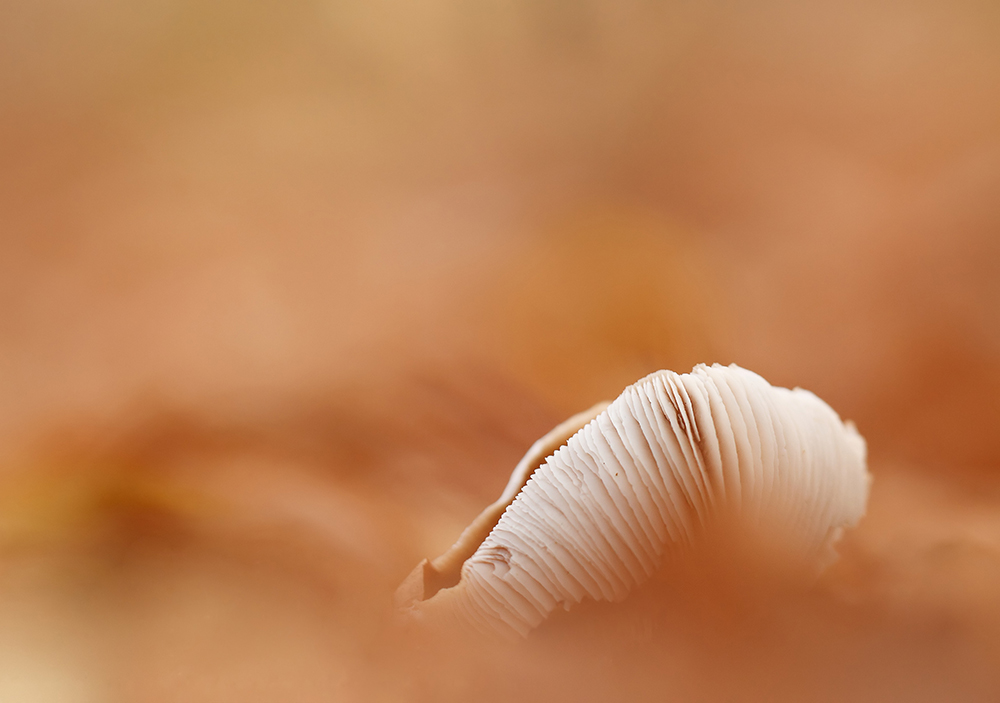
[(287, 288)]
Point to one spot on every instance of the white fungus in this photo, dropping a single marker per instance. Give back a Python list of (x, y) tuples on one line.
[(669, 457)]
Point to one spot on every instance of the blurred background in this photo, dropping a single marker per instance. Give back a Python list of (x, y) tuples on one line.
[(287, 288)]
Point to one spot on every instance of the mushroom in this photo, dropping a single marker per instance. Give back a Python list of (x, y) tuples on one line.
[(591, 509)]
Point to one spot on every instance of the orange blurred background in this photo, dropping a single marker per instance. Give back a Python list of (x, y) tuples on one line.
[(287, 288)]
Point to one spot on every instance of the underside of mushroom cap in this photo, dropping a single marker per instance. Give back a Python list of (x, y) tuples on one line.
[(672, 455)]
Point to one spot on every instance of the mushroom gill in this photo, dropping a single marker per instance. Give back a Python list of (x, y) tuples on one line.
[(617, 486)]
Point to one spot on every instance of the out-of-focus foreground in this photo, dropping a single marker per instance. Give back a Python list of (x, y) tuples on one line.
[(286, 289)]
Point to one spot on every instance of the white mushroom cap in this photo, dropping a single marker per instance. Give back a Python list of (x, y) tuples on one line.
[(670, 456)]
